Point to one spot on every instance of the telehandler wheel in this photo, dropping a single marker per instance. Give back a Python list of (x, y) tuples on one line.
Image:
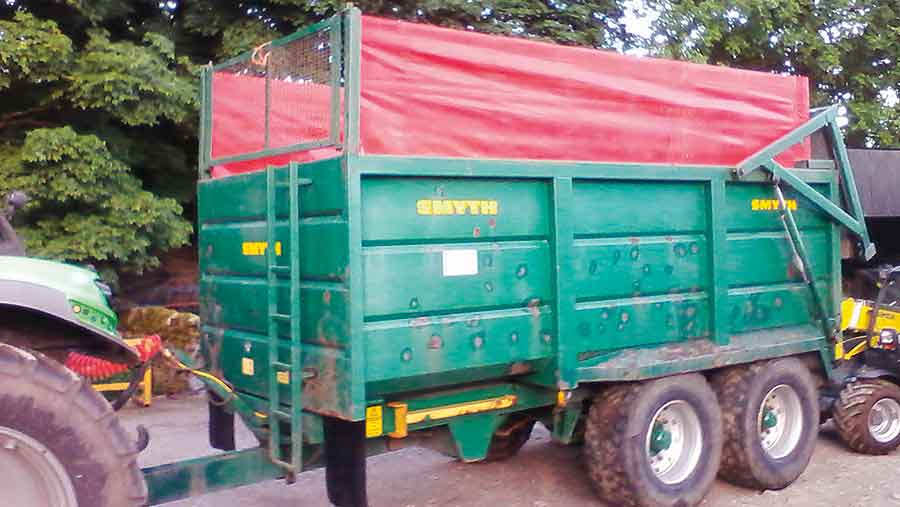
[(867, 415), (770, 414), (61, 445), (654, 444), (510, 437)]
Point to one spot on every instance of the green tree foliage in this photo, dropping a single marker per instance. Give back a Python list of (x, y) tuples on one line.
[(239, 26), (848, 48), (85, 103)]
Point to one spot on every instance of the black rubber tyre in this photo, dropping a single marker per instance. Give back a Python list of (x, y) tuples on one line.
[(619, 424), (742, 391), (852, 410), (48, 403), (510, 437)]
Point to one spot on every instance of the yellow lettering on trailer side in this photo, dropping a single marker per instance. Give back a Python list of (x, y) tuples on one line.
[(283, 377), (258, 248), (442, 207), (374, 421), (423, 207), (772, 204)]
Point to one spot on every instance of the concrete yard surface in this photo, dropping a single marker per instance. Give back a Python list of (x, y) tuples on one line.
[(544, 474)]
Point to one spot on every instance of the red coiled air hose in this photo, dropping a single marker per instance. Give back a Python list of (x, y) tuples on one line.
[(94, 368)]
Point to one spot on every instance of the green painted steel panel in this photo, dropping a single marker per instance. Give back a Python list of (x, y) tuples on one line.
[(326, 305), (223, 247), (243, 196), (433, 346), (740, 214), (766, 257), (753, 308), (620, 267), (326, 393), (410, 279), (640, 321), (390, 213), (635, 208)]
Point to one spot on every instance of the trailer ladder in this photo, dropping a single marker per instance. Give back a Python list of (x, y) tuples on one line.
[(280, 372)]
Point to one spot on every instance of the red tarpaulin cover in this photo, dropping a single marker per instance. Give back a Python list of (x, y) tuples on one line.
[(430, 91)]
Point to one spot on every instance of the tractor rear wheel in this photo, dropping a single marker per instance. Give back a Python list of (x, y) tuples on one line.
[(770, 414), (654, 444), (867, 415), (61, 445)]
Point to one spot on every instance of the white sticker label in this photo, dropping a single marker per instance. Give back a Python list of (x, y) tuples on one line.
[(460, 262)]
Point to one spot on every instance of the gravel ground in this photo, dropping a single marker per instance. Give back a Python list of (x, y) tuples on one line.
[(542, 475)]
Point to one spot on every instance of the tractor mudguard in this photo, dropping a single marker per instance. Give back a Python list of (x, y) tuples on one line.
[(867, 372), (38, 300)]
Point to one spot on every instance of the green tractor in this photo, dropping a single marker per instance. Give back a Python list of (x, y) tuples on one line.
[(60, 442)]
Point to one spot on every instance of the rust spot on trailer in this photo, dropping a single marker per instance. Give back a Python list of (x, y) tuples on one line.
[(519, 368), (492, 223), (326, 297), (420, 322), (320, 392), (534, 309), (435, 342), (476, 232), (634, 240)]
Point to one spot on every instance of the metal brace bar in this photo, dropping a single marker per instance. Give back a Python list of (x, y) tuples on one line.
[(759, 159), (780, 172), (853, 219), (799, 249)]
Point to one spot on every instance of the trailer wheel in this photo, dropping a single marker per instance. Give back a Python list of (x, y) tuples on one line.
[(654, 444), (867, 415), (771, 416), (510, 437), (61, 444)]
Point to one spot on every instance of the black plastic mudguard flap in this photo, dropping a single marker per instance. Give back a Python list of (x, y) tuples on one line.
[(221, 424)]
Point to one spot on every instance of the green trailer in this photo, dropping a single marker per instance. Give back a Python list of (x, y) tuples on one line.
[(653, 311), (678, 320)]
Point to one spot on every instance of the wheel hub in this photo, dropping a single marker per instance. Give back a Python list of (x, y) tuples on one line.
[(674, 442), (780, 421), (770, 419), (884, 420), (32, 475), (660, 439)]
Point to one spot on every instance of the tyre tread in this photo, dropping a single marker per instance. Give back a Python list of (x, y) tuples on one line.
[(18, 366), (851, 417)]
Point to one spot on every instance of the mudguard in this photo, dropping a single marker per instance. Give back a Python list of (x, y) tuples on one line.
[(867, 372), (53, 304)]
